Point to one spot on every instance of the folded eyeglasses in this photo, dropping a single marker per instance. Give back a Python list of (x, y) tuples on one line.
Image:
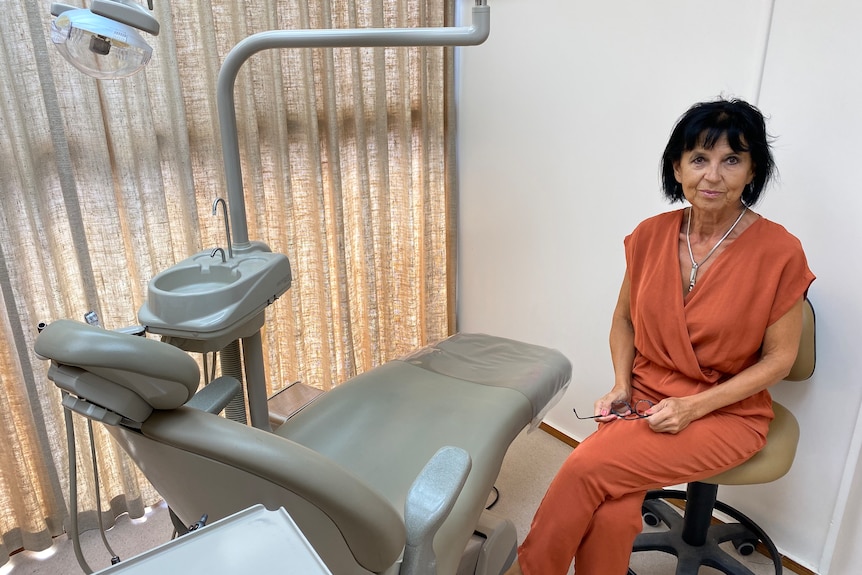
[(624, 410)]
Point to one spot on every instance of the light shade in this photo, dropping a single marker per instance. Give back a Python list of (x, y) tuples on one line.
[(99, 46)]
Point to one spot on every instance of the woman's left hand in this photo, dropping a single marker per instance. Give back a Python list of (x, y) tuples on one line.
[(671, 415)]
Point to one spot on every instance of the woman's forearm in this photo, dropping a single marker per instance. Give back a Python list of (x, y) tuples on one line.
[(755, 379)]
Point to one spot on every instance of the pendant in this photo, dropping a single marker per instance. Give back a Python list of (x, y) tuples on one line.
[(692, 277)]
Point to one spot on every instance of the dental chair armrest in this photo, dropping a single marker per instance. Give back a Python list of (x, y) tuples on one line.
[(429, 502), (215, 396)]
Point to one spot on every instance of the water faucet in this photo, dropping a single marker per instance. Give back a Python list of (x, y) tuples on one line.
[(226, 226), (217, 250)]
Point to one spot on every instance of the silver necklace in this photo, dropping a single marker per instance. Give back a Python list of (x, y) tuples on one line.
[(692, 278)]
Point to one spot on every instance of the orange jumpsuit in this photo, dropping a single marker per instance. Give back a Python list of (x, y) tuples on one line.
[(592, 510)]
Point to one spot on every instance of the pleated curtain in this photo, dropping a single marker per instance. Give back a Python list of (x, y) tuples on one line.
[(347, 166)]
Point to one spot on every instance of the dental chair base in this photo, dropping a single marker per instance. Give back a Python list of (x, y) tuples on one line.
[(492, 548), (387, 473)]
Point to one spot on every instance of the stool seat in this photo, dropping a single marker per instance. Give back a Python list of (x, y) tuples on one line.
[(771, 462)]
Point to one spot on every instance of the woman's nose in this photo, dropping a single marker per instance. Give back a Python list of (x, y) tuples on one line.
[(712, 172)]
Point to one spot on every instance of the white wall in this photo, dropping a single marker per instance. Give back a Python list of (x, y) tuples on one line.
[(563, 114)]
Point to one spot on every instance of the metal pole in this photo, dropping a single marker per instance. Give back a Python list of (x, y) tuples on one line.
[(323, 38)]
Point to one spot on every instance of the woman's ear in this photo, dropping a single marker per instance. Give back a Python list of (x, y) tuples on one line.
[(676, 173)]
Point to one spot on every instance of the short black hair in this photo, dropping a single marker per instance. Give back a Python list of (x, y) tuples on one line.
[(704, 124)]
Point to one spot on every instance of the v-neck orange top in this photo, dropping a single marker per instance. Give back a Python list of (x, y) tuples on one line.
[(684, 345)]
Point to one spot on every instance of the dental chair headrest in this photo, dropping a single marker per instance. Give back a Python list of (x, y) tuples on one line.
[(127, 374)]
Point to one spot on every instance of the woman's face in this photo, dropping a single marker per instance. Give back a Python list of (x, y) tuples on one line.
[(714, 179)]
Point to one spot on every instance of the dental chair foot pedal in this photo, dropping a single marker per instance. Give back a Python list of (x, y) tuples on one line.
[(491, 549)]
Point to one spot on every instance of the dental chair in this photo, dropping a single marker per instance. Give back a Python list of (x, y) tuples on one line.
[(693, 538), (387, 473)]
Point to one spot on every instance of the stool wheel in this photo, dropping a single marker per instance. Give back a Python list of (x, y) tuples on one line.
[(745, 547), (650, 518)]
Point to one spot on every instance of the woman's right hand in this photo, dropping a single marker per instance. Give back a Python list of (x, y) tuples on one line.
[(602, 407)]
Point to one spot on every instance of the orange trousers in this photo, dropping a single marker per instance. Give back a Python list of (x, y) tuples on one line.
[(592, 510)]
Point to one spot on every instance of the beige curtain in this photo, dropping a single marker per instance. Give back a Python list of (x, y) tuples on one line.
[(346, 156)]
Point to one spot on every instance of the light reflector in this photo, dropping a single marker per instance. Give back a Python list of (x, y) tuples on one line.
[(99, 46)]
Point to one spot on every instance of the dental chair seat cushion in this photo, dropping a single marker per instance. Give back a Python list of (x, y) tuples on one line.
[(539, 373), (384, 425)]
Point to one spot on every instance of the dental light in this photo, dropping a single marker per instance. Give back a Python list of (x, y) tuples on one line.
[(103, 41)]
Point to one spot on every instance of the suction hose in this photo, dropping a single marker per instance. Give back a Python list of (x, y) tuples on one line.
[(114, 557), (73, 491), (74, 532), (231, 364)]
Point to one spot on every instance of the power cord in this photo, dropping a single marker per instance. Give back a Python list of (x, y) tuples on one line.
[(496, 493)]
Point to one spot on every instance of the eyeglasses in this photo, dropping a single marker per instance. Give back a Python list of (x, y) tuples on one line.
[(625, 410)]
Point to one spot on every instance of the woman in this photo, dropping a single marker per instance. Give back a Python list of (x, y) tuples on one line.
[(708, 317)]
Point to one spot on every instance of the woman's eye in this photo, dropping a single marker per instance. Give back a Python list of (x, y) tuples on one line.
[(732, 160)]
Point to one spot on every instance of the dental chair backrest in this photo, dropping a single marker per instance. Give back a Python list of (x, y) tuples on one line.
[(205, 464)]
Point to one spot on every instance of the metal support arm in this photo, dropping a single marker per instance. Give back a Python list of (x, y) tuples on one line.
[(323, 38)]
